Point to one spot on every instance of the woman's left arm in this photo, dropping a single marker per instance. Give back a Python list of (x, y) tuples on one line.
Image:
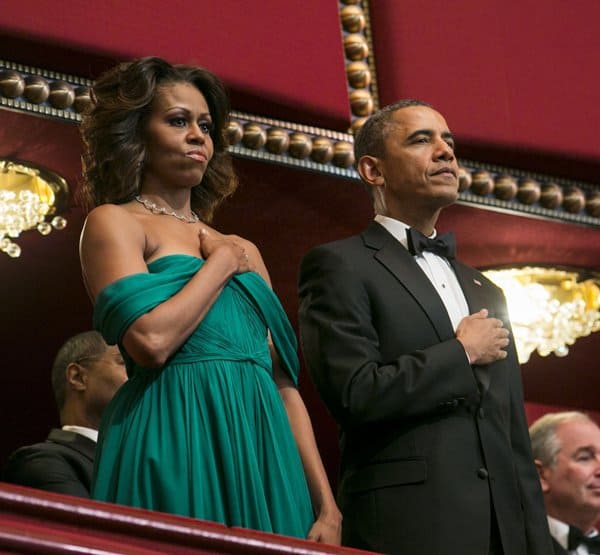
[(328, 525)]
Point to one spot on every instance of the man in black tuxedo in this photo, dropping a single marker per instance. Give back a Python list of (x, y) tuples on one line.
[(85, 376), (410, 350), (566, 449)]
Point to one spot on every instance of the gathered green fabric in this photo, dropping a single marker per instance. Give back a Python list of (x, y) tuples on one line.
[(206, 435)]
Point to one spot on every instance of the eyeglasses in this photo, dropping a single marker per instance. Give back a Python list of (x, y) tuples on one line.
[(118, 359)]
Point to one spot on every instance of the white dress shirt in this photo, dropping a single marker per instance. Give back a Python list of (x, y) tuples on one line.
[(437, 269), (560, 532), (82, 430)]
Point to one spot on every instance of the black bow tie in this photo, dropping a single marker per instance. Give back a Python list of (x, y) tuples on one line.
[(577, 537), (443, 245)]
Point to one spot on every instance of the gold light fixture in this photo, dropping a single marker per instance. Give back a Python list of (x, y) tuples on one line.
[(548, 308), (31, 197)]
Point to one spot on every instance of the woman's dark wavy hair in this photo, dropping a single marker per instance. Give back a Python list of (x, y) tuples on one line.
[(113, 133)]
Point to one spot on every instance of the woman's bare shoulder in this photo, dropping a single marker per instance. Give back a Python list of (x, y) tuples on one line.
[(111, 246), (109, 219), (110, 211)]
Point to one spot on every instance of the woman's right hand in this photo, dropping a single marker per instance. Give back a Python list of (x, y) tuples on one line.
[(230, 248)]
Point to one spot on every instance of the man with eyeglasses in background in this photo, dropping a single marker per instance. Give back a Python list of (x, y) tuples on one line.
[(85, 376)]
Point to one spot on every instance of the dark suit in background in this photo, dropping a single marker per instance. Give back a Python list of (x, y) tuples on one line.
[(86, 373), (62, 464)]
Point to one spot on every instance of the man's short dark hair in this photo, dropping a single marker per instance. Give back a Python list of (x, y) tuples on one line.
[(371, 136), (88, 344)]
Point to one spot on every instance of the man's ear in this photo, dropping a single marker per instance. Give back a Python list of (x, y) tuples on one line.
[(369, 169), (76, 377), (543, 472)]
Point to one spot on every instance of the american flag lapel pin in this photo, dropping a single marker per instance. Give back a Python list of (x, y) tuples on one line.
[(476, 282)]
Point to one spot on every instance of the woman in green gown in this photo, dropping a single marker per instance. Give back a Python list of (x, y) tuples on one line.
[(210, 424)]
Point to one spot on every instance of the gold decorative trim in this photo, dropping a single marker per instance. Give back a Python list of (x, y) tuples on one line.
[(360, 62), (43, 92), (291, 144), (321, 150), (371, 57), (529, 194)]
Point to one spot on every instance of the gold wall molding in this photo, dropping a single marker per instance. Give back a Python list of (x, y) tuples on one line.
[(43, 92), (64, 97), (360, 60), (529, 193)]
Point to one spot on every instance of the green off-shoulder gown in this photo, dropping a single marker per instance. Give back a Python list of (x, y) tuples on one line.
[(207, 435)]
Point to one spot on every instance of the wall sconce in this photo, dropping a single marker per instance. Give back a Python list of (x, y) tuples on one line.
[(31, 197), (548, 308)]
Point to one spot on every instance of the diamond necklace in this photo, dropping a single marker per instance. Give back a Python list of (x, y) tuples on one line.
[(155, 209)]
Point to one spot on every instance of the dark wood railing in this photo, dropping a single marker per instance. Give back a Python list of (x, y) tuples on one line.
[(40, 523)]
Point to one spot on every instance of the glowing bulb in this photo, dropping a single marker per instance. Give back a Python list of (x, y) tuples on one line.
[(58, 222), (44, 228), (13, 250)]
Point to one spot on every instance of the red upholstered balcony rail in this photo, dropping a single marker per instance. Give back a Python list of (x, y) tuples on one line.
[(37, 522)]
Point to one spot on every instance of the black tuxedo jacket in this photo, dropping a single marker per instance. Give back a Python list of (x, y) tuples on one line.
[(558, 549), (429, 445), (63, 464)]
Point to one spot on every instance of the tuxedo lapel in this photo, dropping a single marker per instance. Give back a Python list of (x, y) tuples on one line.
[(473, 288), (476, 292), (400, 263)]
